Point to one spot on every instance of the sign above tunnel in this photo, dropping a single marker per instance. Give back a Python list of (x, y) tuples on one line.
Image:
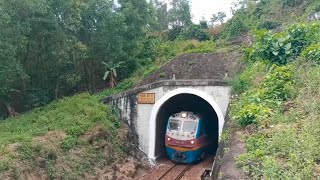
[(146, 98)]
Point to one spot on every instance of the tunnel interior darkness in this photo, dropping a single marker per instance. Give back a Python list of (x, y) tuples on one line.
[(186, 102)]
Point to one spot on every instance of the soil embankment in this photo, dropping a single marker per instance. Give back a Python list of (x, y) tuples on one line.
[(197, 66)]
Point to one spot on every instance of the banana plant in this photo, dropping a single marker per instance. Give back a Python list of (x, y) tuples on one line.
[(111, 71)]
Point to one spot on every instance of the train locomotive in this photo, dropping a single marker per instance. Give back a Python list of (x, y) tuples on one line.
[(186, 139)]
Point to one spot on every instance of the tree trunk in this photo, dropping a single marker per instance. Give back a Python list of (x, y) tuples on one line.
[(86, 74), (56, 91), (11, 111)]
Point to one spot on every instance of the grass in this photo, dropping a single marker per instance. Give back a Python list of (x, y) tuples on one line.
[(59, 115), (51, 139), (285, 145), (73, 118)]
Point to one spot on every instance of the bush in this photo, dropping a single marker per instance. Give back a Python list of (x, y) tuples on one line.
[(69, 142), (36, 98), (285, 145), (281, 48), (268, 25), (244, 80), (236, 27), (249, 114), (275, 48), (194, 32), (173, 33), (312, 53), (199, 47), (278, 83), (290, 3), (216, 31), (258, 103)]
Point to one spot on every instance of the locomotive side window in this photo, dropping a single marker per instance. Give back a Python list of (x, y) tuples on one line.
[(189, 126), (174, 125)]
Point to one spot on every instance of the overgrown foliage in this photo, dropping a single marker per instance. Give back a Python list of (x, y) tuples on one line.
[(268, 14), (52, 49), (283, 47), (58, 46), (52, 133), (286, 143), (260, 102), (235, 27), (279, 100)]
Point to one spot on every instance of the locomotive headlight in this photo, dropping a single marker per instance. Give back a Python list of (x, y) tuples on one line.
[(184, 115), (192, 142), (169, 139)]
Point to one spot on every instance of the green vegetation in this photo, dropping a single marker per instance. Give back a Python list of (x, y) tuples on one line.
[(279, 98), (283, 47), (285, 144), (61, 48), (268, 14), (52, 49), (53, 133), (56, 48)]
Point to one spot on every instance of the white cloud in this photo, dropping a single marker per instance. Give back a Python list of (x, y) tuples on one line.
[(205, 8)]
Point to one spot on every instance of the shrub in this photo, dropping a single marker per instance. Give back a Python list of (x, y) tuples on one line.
[(258, 103), (69, 142), (275, 48), (194, 32), (278, 83), (173, 33), (235, 27), (216, 31), (312, 53), (200, 47), (249, 114), (290, 3), (36, 98), (281, 48), (268, 25), (188, 46), (244, 80)]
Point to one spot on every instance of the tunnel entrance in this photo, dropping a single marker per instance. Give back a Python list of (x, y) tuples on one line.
[(185, 102)]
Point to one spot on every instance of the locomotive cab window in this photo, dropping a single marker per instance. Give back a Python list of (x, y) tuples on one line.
[(189, 126), (175, 125)]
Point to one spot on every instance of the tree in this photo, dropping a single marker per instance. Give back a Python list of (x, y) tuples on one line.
[(219, 17), (179, 14), (162, 15), (54, 48), (111, 69), (203, 23), (136, 18), (12, 74)]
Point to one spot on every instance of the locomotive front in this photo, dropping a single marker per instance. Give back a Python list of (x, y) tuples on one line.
[(185, 139)]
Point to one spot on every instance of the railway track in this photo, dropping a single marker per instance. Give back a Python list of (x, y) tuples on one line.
[(175, 172)]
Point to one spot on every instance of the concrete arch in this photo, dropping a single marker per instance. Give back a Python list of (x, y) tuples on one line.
[(166, 97)]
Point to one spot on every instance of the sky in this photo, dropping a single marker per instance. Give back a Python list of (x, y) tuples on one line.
[(205, 8)]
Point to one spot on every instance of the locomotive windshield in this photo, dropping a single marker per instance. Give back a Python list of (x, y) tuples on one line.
[(189, 126), (174, 125)]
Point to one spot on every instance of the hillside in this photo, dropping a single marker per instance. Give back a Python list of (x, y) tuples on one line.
[(72, 138), (197, 66), (274, 115)]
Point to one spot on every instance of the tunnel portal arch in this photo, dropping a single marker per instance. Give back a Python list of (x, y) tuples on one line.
[(158, 105)]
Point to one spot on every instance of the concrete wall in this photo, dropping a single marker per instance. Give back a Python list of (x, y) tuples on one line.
[(138, 116)]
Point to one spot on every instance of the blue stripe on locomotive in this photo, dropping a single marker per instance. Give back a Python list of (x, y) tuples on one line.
[(191, 156)]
